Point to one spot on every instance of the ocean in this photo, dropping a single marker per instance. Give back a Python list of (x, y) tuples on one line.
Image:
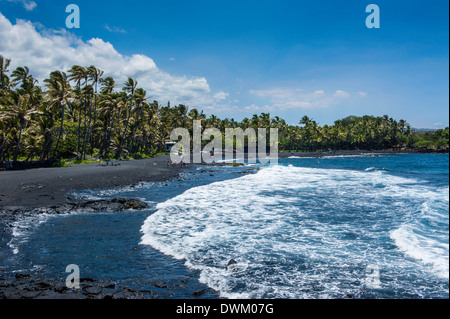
[(362, 226)]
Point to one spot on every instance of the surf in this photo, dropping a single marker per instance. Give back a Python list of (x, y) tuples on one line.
[(289, 227)]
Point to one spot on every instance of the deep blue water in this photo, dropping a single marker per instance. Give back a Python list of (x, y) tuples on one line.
[(360, 226)]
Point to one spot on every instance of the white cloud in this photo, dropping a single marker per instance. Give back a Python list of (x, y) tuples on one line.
[(114, 29), (29, 5), (319, 92), (219, 96), (252, 107), (341, 94), (285, 98), (46, 50), (362, 94), (256, 108)]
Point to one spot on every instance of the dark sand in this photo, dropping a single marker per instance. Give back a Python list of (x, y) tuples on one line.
[(45, 187)]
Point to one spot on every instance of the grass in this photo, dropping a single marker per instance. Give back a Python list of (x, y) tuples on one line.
[(93, 160), (83, 162)]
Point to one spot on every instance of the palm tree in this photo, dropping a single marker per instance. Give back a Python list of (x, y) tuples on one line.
[(140, 104), (4, 64), (78, 74), (95, 76), (108, 85), (20, 74), (58, 92), (18, 108), (129, 88), (110, 106)]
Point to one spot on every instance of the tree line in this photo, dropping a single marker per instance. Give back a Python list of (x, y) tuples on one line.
[(79, 114)]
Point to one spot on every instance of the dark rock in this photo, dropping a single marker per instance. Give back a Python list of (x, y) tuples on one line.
[(83, 280), (159, 284), (110, 286), (148, 294), (27, 294), (93, 290), (199, 293), (119, 295), (106, 293), (60, 288), (43, 285), (231, 262), (21, 276)]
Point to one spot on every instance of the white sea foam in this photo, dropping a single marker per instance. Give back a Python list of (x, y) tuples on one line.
[(21, 230), (430, 246), (295, 232)]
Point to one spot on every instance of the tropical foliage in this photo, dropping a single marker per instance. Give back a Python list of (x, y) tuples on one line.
[(77, 113)]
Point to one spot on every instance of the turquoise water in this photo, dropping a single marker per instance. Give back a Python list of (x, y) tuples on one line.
[(337, 227)]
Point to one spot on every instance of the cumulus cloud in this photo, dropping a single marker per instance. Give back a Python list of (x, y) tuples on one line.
[(219, 96), (44, 50), (283, 98)]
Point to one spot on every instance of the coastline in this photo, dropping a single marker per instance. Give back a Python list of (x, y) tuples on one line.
[(32, 192), (50, 187), (47, 191), (44, 187)]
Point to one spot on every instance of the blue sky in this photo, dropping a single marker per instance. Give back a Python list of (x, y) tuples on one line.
[(237, 58)]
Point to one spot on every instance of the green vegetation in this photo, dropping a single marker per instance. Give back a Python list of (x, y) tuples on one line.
[(79, 116), (431, 140)]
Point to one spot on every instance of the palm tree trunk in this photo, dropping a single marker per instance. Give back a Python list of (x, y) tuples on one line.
[(119, 151), (16, 152), (86, 133), (2, 150), (95, 119), (79, 124), (60, 131), (108, 145), (89, 133), (83, 152)]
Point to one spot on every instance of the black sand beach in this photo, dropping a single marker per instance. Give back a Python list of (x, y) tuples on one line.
[(47, 190), (45, 187)]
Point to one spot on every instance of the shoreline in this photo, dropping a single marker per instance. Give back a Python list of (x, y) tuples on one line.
[(34, 284), (46, 187), (50, 187), (32, 201)]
